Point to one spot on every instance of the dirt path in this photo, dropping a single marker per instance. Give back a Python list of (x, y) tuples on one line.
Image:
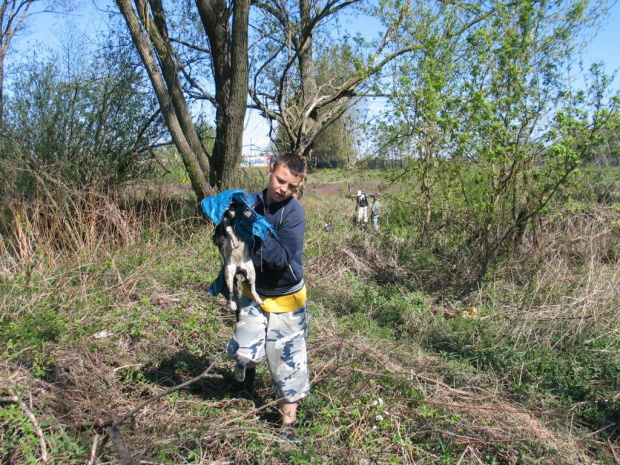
[(343, 188)]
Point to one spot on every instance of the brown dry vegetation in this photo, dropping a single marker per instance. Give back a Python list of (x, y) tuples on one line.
[(128, 317)]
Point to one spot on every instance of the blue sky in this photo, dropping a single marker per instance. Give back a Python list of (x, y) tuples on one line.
[(87, 20), (604, 47)]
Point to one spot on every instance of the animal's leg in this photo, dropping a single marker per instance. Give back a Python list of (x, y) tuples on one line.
[(248, 271), (231, 235), (230, 270)]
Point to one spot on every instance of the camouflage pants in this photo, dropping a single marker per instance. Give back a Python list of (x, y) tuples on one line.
[(278, 337)]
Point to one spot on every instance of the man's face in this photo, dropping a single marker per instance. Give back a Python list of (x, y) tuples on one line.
[(282, 184)]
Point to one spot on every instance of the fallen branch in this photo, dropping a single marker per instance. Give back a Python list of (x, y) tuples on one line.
[(205, 374), (358, 260), (393, 368), (93, 451), (613, 451), (119, 445), (460, 406), (111, 427), (35, 423)]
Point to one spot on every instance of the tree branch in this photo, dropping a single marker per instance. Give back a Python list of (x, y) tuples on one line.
[(35, 423)]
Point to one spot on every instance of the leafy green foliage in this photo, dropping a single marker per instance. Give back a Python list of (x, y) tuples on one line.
[(18, 436), (94, 124), (493, 129)]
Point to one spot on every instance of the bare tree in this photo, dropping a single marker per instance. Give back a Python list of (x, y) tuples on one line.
[(149, 32), (229, 50), (13, 13), (304, 109), (284, 87), (204, 56), (226, 29)]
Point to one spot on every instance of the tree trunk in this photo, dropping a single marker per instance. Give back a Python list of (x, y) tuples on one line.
[(308, 82), (426, 187), (167, 89), (1, 90), (165, 52), (229, 49)]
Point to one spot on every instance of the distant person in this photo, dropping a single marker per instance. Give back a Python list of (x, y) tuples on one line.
[(375, 212), (277, 328), (361, 203)]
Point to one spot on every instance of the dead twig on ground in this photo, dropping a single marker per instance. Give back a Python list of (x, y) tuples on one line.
[(613, 451), (35, 423), (93, 451)]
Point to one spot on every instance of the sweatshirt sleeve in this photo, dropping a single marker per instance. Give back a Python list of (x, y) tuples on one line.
[(278, 253)]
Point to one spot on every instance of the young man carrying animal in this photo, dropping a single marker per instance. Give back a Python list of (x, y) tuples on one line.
[(276, 329)]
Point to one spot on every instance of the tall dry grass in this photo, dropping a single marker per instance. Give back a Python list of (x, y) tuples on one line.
[(81, 223), (566, 280)]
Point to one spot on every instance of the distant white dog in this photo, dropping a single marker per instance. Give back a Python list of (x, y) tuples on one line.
[(236, 255)]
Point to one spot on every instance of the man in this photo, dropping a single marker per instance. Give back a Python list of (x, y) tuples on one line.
[(375, 212), (361, 202), (277, 328)]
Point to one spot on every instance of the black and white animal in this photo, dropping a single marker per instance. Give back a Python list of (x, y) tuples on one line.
[(236, 255)]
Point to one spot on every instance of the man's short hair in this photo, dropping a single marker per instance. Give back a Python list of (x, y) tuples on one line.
[(295, 163)]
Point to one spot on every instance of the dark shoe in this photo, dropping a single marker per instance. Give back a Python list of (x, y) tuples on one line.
[(244, 378), (250, 376), (287, 433), (239, 373)]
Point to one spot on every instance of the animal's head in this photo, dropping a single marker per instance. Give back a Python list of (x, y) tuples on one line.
[(230, 213)]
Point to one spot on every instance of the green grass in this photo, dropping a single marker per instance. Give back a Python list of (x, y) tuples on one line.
[(401, 372), (351, 175)]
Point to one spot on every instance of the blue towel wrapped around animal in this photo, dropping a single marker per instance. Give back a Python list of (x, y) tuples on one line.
[(247, 228)]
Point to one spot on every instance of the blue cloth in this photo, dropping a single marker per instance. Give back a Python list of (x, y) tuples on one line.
[(247, 228)]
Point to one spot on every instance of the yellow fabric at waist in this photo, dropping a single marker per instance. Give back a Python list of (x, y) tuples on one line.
[(281, 303)]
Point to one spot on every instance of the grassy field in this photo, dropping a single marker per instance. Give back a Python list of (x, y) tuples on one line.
[(524, 370)]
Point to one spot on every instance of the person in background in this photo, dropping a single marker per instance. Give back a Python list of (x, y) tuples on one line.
[(361, 202), (375, 212), (277, 328)]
